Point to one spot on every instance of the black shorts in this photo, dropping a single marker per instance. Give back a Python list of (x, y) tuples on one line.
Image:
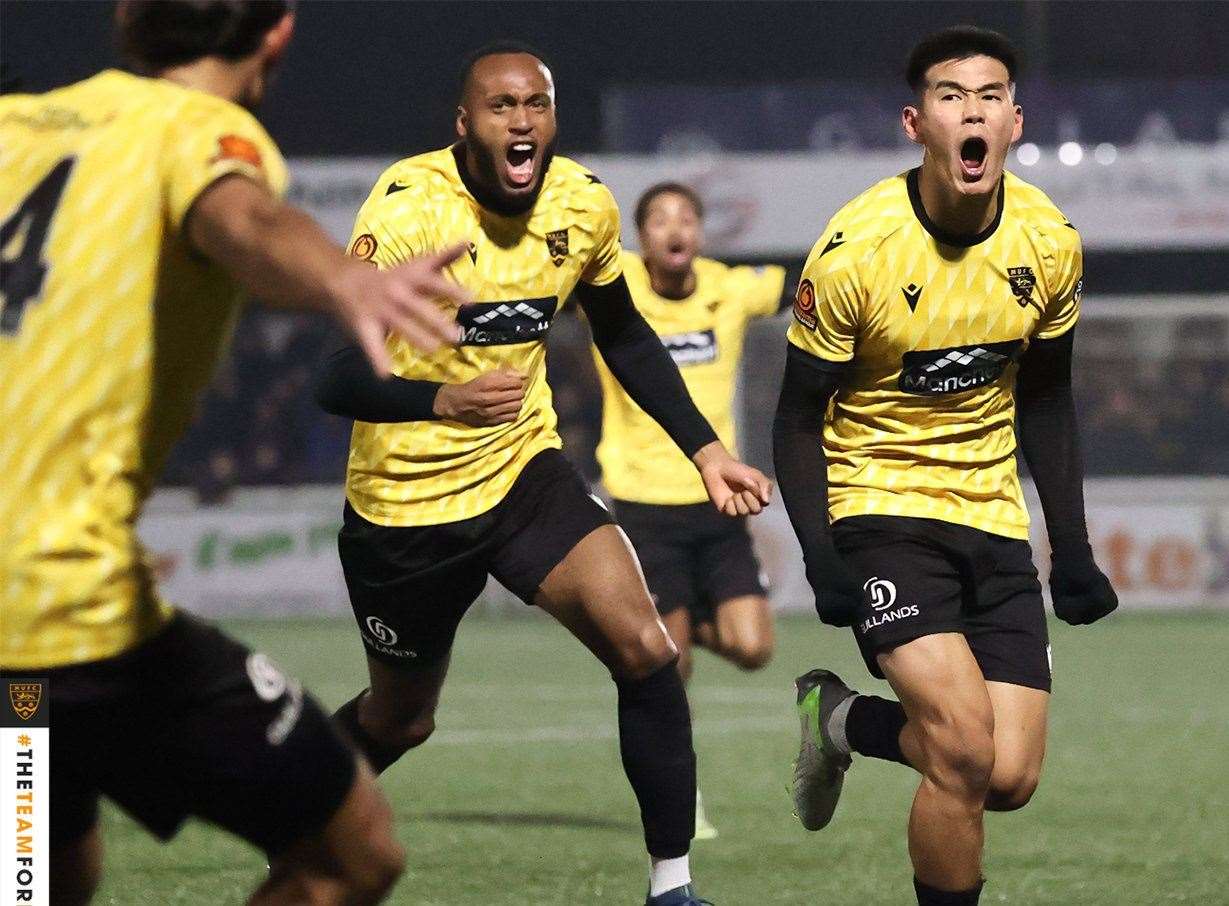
[(409, 586), (192, 723), (925, 577), (692, 555)]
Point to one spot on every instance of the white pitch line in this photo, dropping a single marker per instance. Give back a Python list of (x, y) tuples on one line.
[(718, 694), (595, 733)]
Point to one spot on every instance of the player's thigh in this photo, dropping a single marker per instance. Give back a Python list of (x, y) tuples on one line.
[(1006, 623), (596, 592), (410, 586), (914, 588), (226, 736), (560, 549), (356, 848), (950, 714)]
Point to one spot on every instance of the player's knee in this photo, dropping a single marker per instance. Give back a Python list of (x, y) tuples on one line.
[(373, 862), (371, 881), (645, 652), (1012, 789), (750, 653), (413, 733), (959, 755)]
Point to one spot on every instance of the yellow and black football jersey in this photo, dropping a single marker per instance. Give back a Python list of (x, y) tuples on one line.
[(520, 269), (110, 327), (933, 326), (704, 334)]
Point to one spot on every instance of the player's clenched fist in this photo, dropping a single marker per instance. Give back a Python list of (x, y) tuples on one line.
[(494, 398), (402, 300), (1080, 591)]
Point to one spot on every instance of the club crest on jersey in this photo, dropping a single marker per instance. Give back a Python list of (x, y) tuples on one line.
[(557, 246), (1022, 281), (804, 305), (25, 698)]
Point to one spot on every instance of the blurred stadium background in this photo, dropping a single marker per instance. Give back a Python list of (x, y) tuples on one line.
[(777, 113)]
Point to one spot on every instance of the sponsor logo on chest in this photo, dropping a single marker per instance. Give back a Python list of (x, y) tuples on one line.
[(932, 372), (697, 347), (505, 323)]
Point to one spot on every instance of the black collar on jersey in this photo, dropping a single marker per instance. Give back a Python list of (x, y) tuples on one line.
[(959, 240), (492, 201)]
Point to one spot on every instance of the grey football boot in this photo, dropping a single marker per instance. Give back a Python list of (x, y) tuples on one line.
[(820, 769)]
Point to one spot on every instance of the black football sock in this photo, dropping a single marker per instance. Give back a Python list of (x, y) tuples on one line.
[(930, 896), (655, 742), (873, 725), (379, 755)]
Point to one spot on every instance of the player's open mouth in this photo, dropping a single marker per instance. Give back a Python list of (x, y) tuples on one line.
[(973, 158), (519, 165), (676, 252)]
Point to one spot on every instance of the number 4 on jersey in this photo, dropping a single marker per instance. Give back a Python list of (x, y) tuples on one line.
[(21, 276)]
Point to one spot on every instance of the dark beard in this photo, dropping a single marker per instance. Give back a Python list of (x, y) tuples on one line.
[(485, 185)]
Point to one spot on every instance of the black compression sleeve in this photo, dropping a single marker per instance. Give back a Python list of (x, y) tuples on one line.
[(798, 449), (1049, 437), (641, 364), (346, 386)]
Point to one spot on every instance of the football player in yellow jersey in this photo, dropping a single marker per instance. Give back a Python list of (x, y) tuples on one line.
[(455, 472), (935, 315), (132, 211), (699, 565)]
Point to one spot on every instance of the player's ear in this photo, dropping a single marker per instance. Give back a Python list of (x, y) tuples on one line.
[(462, 122), (909, 116), (278, 37), (1018, 129)]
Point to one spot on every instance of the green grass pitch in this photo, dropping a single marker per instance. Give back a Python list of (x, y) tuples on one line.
[(520, 799)]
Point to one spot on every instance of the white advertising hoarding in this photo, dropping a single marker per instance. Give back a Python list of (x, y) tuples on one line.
[(1164, 543)]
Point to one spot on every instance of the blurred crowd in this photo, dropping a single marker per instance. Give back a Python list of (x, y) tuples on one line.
[(1147, 415), (1140, 413)]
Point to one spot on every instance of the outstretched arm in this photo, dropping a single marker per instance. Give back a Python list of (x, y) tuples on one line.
[(283, 257), (641, 364), (1050, 442), (802, 474)]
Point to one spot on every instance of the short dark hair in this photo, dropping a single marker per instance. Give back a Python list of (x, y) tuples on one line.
[(666, 188), (156, 34), (959, 43), (496, 48)]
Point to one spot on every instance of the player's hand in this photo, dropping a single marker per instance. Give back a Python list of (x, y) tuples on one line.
[(404, 300), (1080, 591), (734, 487), (493, 398), (838, 593)]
